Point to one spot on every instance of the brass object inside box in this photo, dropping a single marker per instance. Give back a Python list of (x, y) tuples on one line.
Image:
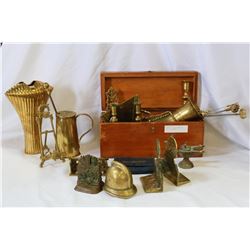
[(138, 117), (47, 154), (26, 98), (113, 113), (154, 183), (126, 111), (89, 175), (170, 169), (119, 181), (67, 144), (186, 89), (187, 151), (191, 112), (188, 112), (111, 97)]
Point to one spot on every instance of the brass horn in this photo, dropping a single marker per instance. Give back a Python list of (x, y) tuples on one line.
[(191, 112)]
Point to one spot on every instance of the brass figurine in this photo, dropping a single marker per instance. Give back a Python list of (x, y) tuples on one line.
[(119, 181), (123, 112), (187, 151), (26, 98), (111, 97), (89, 175), (154, 183), (170, 169)]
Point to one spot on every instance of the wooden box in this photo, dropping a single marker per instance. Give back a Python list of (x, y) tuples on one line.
[(158, 92)]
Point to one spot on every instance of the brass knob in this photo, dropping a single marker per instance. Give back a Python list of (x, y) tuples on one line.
[(243, 113)]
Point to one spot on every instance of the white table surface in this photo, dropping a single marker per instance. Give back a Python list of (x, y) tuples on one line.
[(220, 178)]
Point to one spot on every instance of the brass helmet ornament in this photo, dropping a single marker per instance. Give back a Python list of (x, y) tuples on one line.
[(119, 181)]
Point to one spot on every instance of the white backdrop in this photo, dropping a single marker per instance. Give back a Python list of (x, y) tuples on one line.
[(74, 71)]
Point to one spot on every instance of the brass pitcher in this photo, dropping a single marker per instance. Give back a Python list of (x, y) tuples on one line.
[(26, 98), (67, 135)]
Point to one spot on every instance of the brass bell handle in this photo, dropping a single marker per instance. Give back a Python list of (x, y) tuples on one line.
[(92, 124)]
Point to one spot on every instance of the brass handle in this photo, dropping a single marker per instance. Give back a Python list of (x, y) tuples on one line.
[(92, 124)]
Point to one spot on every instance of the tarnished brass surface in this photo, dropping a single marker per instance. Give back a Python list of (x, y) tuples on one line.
[(138, 117), (111, 97), (67, 135), (119, 181), (43, 112), (154, 183), (191, 112), (188, 112), (105, 116), (26, 98), (187, 151), (170, 169), (186, 95), (123, 112), (126, 111), (89, 174), (113, 113)]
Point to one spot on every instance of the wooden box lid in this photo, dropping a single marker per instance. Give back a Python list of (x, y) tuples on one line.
[(157, 90)]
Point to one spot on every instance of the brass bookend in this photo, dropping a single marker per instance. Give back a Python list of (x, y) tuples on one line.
[(89, 175), (170, 169), (191, 112), (154, 183)]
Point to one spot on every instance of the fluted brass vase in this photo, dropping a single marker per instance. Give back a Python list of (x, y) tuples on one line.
[(26, 98)]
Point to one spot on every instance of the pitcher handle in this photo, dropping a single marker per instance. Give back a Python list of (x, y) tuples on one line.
[(92, 124)]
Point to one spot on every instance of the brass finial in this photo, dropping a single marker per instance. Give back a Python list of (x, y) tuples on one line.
[(138, 112)]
